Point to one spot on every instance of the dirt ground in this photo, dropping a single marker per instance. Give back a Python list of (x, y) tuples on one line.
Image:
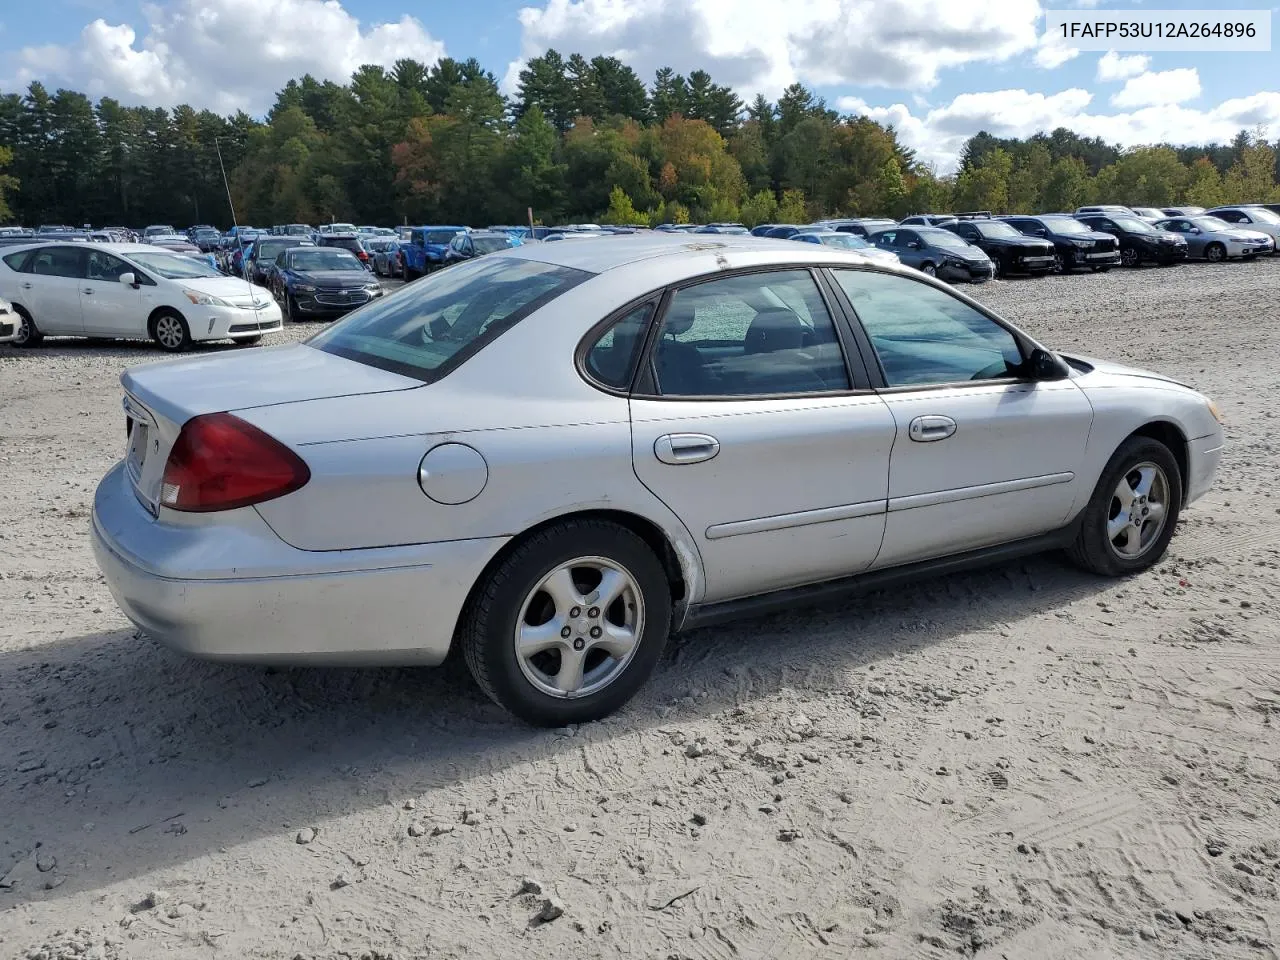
[(1014, 763)]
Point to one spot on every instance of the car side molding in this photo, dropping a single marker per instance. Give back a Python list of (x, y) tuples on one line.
[(710, 614)]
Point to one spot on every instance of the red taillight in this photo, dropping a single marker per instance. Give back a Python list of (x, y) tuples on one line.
[(220, 462), (362, 255)]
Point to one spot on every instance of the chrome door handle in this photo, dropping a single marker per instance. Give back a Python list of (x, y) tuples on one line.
[(685, 447), (26, 286), (929, 428), (87, 290)]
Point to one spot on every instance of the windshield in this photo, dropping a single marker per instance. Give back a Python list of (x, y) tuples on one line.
[(943, 238), (329, 258), (845, 241), (996, 231), (490, 244), (1212, 224), (1066, 225), (297, 230), (1262, 215), (420, 330), (173, 266), (344, 243), (270, 249), (439, 236), (1134, 226), (342, 228)]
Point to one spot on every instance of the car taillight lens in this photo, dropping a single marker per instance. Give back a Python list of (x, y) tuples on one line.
[(220, 462)]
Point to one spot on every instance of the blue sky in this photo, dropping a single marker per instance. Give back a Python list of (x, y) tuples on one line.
[(939, 70)]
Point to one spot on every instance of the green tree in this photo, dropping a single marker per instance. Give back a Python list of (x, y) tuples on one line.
[(791, 209), (1205, 188), (621, 210), (7, 183), (1067, 186), (985, 185), (760, 207), (532, 175)]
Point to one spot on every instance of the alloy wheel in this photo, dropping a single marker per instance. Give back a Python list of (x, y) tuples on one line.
[(1215, 253), (929, 269), (169, 332), (1139, 510), (1129, 257), (579, 627), (24, 331)]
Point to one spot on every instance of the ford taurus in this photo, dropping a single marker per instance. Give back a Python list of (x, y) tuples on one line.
[(554, 456)]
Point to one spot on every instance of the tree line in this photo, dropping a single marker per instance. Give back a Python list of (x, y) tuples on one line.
[(581, 140)]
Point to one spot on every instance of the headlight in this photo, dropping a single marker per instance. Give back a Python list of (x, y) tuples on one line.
[(205, 299), (1213, 409), (1083, 244), (305, 287), (6, 306)]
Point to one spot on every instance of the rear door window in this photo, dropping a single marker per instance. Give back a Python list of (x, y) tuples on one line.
[(58, 262), (432, 325)]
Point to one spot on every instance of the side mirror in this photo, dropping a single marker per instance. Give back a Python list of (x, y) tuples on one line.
[(128, 278), (1043, 365), (1195, 230), (1042, 232)]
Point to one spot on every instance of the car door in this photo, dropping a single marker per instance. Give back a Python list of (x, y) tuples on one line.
[(1196, 240), (108, 307), (748, 424), (982, 455), (53, 285)]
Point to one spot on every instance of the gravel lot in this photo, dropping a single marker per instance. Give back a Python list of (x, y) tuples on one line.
[(1021, 762)]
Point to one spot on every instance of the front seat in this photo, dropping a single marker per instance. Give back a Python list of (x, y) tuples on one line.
[(679, 365), (774, 329)]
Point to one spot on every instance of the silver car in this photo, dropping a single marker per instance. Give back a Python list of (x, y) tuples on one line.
[(556, 455), (1216, 240)]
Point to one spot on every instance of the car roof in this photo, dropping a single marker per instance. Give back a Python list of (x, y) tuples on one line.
[(720, 251)]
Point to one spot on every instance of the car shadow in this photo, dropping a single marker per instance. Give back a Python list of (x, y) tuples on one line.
[(119, 757)]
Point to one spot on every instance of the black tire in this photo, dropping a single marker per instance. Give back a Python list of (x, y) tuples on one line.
[(1129, 257), (1092, 549), (249, 341), (170, 332), (998, 269), (32, 337), (488, 624), (1100, 269), (410, 275), (1215, 252), (928, 269), (290, 308), (1064, 262)]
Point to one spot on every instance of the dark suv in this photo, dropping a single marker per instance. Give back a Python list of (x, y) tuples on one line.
[(1074, 244), (1009, 250), (1139, 240)]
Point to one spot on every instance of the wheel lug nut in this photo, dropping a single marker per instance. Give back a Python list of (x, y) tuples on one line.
[(595, 633), (593, 612), (579, 644), (565, 632), (575, 612)]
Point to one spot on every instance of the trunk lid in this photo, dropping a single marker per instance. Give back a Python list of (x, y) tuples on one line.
[(161, 397)]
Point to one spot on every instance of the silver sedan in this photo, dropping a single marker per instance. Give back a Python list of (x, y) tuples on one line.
[(1216, 240), (556, 455)]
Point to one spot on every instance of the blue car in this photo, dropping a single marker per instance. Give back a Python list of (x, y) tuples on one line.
[(426, 248)]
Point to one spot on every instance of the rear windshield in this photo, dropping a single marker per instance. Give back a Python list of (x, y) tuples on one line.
[(434, 324), (490, 244), (439, 236)]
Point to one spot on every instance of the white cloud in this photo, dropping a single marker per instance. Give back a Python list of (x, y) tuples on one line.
[(760, 46), (938, 135), (229, 55), (1112, 66), (1053, 53), (1162, 87)]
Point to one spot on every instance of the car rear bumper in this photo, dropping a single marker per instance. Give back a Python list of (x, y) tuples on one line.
[(234, 591)]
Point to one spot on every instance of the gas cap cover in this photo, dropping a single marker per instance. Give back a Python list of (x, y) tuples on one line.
[(453, 473)]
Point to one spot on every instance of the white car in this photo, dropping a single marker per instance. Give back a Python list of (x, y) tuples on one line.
[(9, 322), (130, 290)]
